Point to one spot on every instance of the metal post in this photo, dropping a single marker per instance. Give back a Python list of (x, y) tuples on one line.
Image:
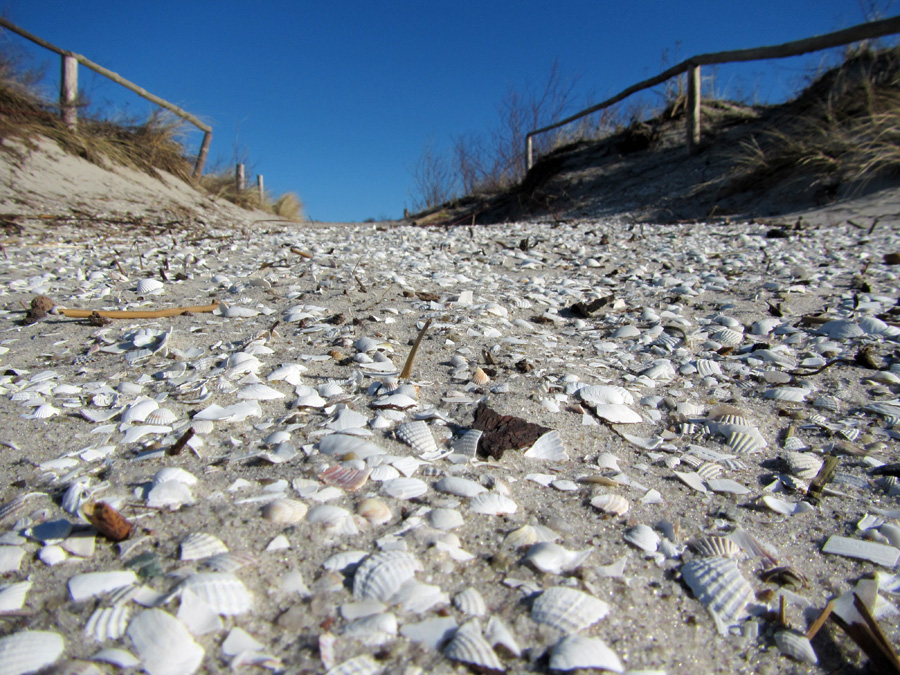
[(693, 109), (68, 92)]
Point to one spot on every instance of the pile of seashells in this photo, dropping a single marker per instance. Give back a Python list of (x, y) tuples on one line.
[(719, 459)]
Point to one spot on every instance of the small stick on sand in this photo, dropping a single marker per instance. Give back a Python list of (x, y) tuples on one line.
[(137, 313), (407, 367)]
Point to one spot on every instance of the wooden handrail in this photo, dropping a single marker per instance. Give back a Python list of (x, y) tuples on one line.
[(68, 56), (864, 31)]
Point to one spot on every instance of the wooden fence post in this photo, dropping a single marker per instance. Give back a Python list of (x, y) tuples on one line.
[(529, 153), (693, 109), (259, 186), (239, 178), (68, 92), (201, 155)]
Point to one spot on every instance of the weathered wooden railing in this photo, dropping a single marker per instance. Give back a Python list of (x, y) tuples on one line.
[(865, 31), (68, 91)]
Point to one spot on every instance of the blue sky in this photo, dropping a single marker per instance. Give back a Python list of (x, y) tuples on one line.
[(336, 99)]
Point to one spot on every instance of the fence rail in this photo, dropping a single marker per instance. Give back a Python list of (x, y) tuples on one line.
[(69, 91), (865, 31)]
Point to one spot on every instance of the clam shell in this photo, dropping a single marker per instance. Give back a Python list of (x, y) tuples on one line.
[(340, 445), (284, 510), (498, 633), (469, 646), (161, 417), (201, 545), (29, 651), (615, 413), (575, 651), (224, 593), (480, 377), (492, 503), (374, 510), (418, 436), (335, 518), (548, 447), (568, 609), (841, 329), (612, 504), (12, 597), (786, 508), (744, 443), (601, 394), (404, 488), (796, 646), (789, 394), (727, 336), (108, 623), (467, 444), (148, 286), (470, 602), (718, 584), (528, 535), (461, 487), (164, 644), (715, 546), (259, 392), (138, 411), (92, 584), (803, 465), (552, 558), (345, 477), (643, 537), (445, 519), (379, 576)]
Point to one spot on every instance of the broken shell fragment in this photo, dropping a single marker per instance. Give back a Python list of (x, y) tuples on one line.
[(469, 646), (568, 609), (29, 651), (719, 586), (574, 651), (554, 559)]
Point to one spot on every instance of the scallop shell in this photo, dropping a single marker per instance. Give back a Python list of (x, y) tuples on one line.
[(92, 584), (461, 487), (470, 602), (480, 377), (163, 643), (643, 537), (469, 646), (345, 477), (727, 336), (404, 488), (804, 465), (224, 593), (374, 510), (467, 444), (418, 436), (12, 597), (528, 535), (605, 394), (161, 417), (715, 546), (610, 503), (574, 651), (139, 410), (788, 394), (552, 558), (548, 447), (492, 503), (148, 286), (718, 584), (201, 545), (358, 665), (744, 443), (568, 609), (29, 651), (379, 576), (108, 623), (796, 646)]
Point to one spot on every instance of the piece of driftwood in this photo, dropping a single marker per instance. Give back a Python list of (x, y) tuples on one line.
[(503, 432), (137, 313), (871, 639)]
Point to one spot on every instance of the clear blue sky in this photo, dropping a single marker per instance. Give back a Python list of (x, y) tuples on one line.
[(336, 99)]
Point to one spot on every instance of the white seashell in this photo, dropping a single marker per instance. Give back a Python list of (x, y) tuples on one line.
[(745, 443), (786, 508), (201, 545), (692, 480), (345, 477), (605, 393), (12, 597), (379, 576), (643, 537), (335, 518), (445, 519), (840, 329), (117, 657), (148, 287), (617, 414), (461, 487), (880, 554), (497, 633), (528, 535), (161, 417), (108, 623), (10, 558), (804, 465), (171, 494), (469, 646), (347, 418), (480, 377), (718, 584), (764, 326), (727, 336), (44, 411), (259, 392), (375, 511), (610, 503), (340, 445), (224, 593), (470, 602), (418, 436), (796, 646), (395, 402), (727, 485), (404, 488), (574, 651), (548, 447), (661, 369), (229, 562), (29, 651), (568, 609), (163, 644), (715, 546), (789, 394), (288, 372), (554, 559), (138, 411), (92, 584), (492, 503)]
